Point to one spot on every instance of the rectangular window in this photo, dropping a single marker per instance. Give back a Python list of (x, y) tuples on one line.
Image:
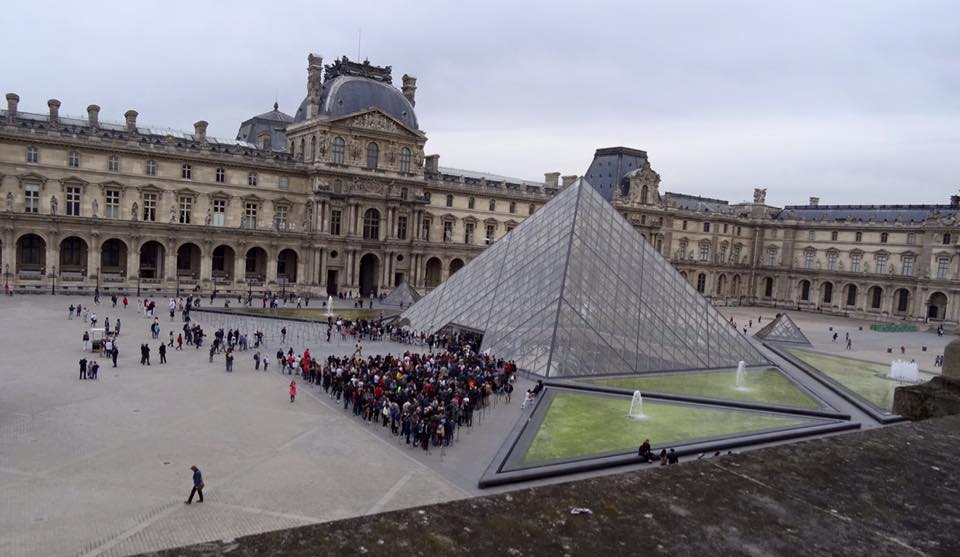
[(250, 215), (808, 259), (704, 251), (33, 154), (186, 172), (943, 267), (706, 227), (834, 235), (149, 207), (911, 237), (773, 233), (881, 263), (151, 168), (219, 212), (859, 237), (186, 209), (335, 218), (907, 266), (284, 183), (425, 230), (855, 262), (113, 164), (73, 159), (280, 217), (31, 198), (73, 201), (683, 225), (725, 225), (812, 235), (402, 227), (739, 231), (113, 204), (771, 258), (447, 231), (468, 233), (491, 229), (831, 262)]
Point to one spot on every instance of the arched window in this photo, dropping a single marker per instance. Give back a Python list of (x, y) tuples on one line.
[(373, 156), (701, 283), (371, 224), (405, 160), (805, 290), (339, 148), (644, 191), (313, 148)]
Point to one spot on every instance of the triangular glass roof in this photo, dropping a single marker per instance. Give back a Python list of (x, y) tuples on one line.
[(575, 290), (403, 295), (782, 329)]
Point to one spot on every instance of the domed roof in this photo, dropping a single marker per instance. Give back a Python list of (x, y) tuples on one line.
[(347, 94)]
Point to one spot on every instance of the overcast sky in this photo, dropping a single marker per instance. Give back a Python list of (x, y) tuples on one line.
[(856, 102)]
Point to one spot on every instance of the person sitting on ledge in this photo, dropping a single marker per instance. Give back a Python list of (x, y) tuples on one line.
[(538, 387), (644, 452)]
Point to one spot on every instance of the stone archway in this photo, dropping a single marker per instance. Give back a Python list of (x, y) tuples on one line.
[(369, 274), (255, 264), (804, 291), (188, 261), (73, 258), (455, 265), (826, 293), (113, 260), (151, 260), (287, 266), (937, 306), (901, 301), (31, 256), (223, 263), (434, 273)]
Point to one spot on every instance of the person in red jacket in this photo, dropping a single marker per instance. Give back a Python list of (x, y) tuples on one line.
[(293, 390)]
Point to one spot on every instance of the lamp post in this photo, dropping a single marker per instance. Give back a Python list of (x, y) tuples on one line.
[(6, 277), (178, 284), (53, 285), (138, 284)]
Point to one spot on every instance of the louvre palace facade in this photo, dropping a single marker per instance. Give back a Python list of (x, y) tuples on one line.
[(340, 196)]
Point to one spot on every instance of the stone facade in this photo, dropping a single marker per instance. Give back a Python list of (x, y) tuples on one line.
[(347, 200)]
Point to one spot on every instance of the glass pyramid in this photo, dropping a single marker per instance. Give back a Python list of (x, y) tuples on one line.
[(404, 295), (782, 329), (574, 290)]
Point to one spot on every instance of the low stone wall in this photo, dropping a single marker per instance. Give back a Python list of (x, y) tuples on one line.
[(889, 491)]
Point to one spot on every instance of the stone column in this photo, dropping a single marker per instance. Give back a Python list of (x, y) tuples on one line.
[(206, 262), (169, 271), (240, 266), (323, 269), (272, 266), (133, 260), (93, 258)]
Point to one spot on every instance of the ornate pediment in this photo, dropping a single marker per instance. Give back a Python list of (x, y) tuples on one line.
[(375, 120)]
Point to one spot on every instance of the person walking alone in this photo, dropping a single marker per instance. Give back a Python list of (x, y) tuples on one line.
[(293, 390), (197, 486), (162, 349)]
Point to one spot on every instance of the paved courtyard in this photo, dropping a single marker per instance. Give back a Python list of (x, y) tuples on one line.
[(102, 467)]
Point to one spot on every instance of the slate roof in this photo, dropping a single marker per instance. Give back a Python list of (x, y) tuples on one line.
[(904, 214), (347, 94)]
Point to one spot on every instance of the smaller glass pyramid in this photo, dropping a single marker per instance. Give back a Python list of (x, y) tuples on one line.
[(782, 329), (403, 296)]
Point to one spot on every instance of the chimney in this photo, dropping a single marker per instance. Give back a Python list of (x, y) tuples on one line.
[(54, 105), (93, 116), (814, 201), (12, 100), (955, 200), (131, 116), (567, 180), (314, 76), (432, 163), (551, 179), (200, 130), (410, 89)]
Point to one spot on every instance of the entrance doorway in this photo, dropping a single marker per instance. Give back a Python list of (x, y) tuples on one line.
[(369, 271), (332, 287)]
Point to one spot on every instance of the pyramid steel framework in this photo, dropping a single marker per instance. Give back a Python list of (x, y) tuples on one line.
[(782, 329), (575, 290), (404, 295)]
